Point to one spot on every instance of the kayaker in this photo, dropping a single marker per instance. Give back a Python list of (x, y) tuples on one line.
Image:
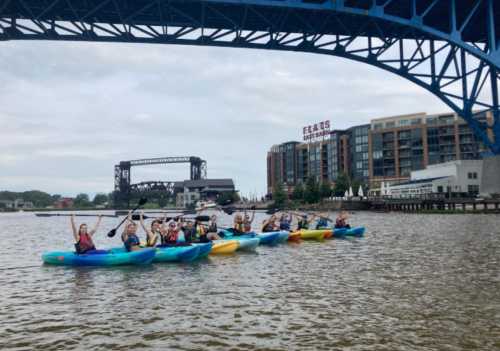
[(286, 221), (129, 236), (190, 232), (269, 225), (303, 222), (83, 238), (170, 234), (341, 221), (322, 222), (153, 233), (239, 226), (212, 225), (247, 222), (206, 233)]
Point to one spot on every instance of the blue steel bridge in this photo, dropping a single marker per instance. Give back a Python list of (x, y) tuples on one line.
[(448, 47)]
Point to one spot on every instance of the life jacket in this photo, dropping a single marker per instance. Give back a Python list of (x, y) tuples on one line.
[(247, 226), (201, 230), (269, 227), (151, 240), (239, 227), (132, 240), (302, 224), (171, 237), (212, 228), (322, 223), (285, 224), (340, 223), (84, 244)]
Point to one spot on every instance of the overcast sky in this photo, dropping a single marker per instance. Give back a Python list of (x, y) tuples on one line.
[(70, 111)]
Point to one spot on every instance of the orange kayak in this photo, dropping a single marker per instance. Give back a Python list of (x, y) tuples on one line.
[(295, 237)]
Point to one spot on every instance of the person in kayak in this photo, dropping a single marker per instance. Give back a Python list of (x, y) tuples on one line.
[(269, 225), (153, 233), (83, 238), (322, 222), (129, 235), (190, 232), (341, 221), (286, 221), (170, 234), (303, 222), (247, 222), (239, 225), (206, 233)]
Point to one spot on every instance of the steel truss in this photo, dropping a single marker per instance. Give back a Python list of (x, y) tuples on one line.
[(124, 189), (449, 47)]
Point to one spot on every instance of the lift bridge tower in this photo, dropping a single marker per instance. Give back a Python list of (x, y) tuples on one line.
[(125, 190)]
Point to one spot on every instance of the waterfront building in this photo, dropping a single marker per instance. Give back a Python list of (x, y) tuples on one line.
[(402, 144), (461, 178), (189, 192), (386, 150)]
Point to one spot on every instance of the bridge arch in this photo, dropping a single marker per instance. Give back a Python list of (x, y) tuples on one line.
[(448, 47)]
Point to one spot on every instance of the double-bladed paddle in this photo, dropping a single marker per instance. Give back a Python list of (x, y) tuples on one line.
[(112, 232), (69, 215), (137, 217)]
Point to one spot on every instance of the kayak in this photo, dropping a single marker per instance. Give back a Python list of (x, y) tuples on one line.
[(294, 236), (357, 231), (177, 253), (224, 247), (111, 258), (247, 244), (271, 238), (314, 234), (205, 249), (283, 238)]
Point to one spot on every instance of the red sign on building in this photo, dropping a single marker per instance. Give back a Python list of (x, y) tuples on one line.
[(316, 131)]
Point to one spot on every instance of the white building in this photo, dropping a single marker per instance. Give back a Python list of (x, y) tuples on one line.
[(455, 178)]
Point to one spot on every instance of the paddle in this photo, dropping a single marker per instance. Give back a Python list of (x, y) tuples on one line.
[(69, 215), (112, 232), (137, 217)]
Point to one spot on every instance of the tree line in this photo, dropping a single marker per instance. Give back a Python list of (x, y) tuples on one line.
[(42, 199), (313, 191)]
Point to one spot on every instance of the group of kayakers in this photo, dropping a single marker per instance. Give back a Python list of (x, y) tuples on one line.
[(164, 232)]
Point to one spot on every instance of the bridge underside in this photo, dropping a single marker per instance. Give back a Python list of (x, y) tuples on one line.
[(449, 47)]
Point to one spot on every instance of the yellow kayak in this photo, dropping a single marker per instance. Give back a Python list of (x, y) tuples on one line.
[(314, 234), (224, 247)]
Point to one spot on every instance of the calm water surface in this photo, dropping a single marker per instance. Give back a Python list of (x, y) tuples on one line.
[(414, 282)]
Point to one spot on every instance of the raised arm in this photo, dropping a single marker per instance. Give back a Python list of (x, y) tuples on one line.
[(94, 230), (129, 220), (143, 225), (253, 217), (73, 227)]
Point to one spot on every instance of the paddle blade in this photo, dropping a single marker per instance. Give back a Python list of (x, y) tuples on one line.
[(228, 210), (143, 201), (272, 211), (203, 218), (112, 233), (136, 217), (253, 208)]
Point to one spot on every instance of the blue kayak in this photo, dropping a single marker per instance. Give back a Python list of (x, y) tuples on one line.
[(171, 253), (110, 258), (271, 238), (204, 250), (247, 242), (357, 231), (283, 238)]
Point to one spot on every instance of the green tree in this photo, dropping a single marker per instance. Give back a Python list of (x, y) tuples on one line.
[(82, 200), (341, 185), (298, 192), (325, 190), (311, 193), (100, 199), (279, 196)]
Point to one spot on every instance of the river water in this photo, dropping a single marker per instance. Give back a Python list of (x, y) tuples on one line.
[(414, 282)]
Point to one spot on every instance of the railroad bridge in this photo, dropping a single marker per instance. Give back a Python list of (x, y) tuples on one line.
[(125, 190), (448, 47)]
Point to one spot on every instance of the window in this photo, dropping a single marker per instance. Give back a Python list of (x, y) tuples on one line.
[(473, 189), (472, 175), (390, 124), (378, 126), (404, 122)]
